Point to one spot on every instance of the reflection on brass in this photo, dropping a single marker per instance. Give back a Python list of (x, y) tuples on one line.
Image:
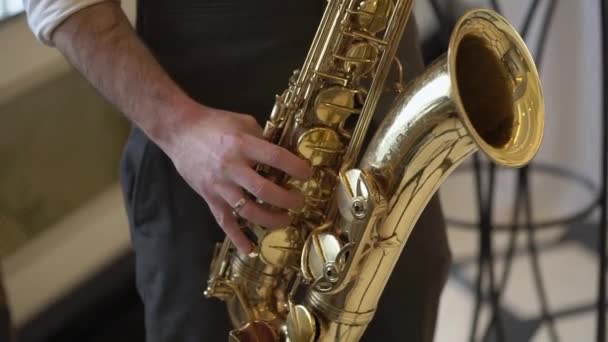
[(321, 278), (373, 15), (321, 146), (280, 247), (300, 324), (321, 258), (360, 58), (334, 104), (256, 331)]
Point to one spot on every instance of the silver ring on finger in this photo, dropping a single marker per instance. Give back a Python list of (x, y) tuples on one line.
[(238, 206)]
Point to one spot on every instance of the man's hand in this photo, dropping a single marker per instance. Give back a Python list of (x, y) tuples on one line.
[(213, 150), (216, 153)]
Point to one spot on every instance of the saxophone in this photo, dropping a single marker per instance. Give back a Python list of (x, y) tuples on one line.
[(320, 279)]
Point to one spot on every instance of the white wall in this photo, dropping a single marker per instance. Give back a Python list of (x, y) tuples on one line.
[(571, 76), (24, 61)]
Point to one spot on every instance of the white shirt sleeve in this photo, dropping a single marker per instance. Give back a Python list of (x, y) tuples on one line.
[(43, 16)]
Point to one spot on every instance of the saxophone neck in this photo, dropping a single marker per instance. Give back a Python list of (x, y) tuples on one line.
[(423, 117)]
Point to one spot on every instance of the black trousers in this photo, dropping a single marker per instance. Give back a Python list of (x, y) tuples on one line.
[(212, 51), (5, 321)]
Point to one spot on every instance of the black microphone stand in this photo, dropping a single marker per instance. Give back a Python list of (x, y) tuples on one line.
[(601, 302)]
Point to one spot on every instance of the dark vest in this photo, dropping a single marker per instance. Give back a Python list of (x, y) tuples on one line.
[(5, 326), (230, 54)]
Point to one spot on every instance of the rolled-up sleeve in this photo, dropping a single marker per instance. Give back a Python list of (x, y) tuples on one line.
[(43, 16)]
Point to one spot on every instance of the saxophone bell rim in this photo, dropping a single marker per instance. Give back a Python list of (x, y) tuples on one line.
[(528, 111)]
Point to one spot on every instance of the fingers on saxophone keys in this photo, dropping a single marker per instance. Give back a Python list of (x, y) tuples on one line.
[(279, 158), (254, 212), (223, 215), (264, 189)]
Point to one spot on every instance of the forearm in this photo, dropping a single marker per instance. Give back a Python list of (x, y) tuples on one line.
[(100, 42), (213, 150)]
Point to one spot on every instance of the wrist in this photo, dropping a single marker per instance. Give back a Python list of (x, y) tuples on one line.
[(173, 121)]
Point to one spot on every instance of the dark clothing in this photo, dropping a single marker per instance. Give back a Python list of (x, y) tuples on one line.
[(230, 54), (236, 55), (5, 321)]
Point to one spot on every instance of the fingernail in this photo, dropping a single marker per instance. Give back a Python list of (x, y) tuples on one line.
[(252, 253), (247, 249)]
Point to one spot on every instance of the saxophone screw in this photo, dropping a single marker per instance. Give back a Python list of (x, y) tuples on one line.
[(331, 272), (359, 207)]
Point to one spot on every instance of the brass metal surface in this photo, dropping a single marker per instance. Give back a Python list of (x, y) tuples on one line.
[(280, 247), (321, 278), (301, 325), (257, 331)]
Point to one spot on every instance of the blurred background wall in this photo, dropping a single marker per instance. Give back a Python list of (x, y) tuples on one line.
[(61, 216)]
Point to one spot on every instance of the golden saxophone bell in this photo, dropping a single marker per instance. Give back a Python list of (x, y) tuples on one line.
[(483, 95)]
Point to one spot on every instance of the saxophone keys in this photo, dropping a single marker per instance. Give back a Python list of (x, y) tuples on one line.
[(361, 58), (322, 260), (321, 146), (257, 331), (381, 43), (373, 15), (352, 196), (335, 104), (270, 129), (280, 247), (301, 325)]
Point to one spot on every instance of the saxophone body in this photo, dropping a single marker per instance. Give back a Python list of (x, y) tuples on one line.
[(321, 278)]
